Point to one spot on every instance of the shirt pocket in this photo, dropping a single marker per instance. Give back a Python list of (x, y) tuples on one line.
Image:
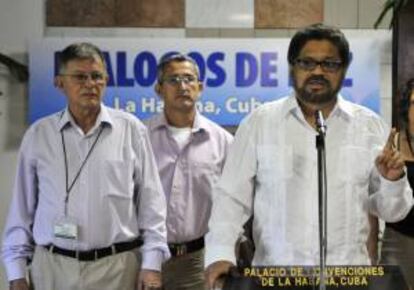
[(117, 178), (205, 175), (354, 164)]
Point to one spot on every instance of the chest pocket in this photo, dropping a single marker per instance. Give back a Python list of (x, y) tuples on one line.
[(117, 178), (354, 163), (204, 174)]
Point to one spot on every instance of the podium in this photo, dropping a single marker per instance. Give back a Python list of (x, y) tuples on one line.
[(307, 278)]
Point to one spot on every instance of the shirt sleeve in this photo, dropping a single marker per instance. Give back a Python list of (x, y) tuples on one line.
[(389, 200), (18, 243), (232, 197), (152, 208)]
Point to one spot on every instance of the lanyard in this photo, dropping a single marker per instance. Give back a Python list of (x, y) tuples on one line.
[(69, 187)]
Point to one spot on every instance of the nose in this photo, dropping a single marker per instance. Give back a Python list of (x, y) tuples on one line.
[(182, 83), (90, 81), (318, 69)]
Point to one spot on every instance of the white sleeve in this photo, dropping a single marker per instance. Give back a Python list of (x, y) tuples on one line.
[(232, 196)]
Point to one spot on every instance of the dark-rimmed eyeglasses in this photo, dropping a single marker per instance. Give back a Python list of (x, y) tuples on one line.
[(309, 64), (175, 80), (82, 78)]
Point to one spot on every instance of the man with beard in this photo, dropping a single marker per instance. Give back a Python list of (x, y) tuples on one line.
[(190, 151), (271, 170)]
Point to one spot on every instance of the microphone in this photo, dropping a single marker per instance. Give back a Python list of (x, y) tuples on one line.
[(320, 123)]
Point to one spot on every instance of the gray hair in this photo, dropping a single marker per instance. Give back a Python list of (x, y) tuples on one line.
[(82, 50), (175, 57)]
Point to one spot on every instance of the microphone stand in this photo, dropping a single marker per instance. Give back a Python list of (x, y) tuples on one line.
[(322, 196)]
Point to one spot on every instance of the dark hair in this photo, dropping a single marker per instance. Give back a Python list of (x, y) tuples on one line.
[(404, 108), (405, 102), (319, 32), (82, 50), (174, 57)]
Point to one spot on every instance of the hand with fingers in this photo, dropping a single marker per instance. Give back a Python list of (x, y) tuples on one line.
[(149, 280), (215, 272), (19, 284), (390, 162)]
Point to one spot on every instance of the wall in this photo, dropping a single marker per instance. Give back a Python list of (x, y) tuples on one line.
[(20, 20), (23, 20)]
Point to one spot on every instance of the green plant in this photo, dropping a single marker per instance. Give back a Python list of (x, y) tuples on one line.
[(395, 6)]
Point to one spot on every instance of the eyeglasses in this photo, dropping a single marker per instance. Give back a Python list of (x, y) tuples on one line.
[(82, 78), (310, 64), (175, 80)]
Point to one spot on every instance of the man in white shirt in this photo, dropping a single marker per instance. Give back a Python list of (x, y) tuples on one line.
[(271, 170), (87, 193)]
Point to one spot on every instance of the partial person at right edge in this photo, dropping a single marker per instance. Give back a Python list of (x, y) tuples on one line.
[(398, 238), (271, 170)]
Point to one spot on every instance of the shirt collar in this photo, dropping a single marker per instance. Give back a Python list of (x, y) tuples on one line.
[(342, 107), (199, 125), (291, 105), (66, 118)]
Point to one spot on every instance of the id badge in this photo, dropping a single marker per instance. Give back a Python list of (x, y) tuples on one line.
[(65, 228)]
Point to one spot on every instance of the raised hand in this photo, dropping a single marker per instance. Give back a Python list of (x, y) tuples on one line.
[(390, 162)]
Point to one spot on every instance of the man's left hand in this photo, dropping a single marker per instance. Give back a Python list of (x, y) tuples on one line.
[(390, 162), (149, 280)]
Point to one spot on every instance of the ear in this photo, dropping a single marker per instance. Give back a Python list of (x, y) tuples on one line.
[(157, 89), (58, 82), (200, 86)]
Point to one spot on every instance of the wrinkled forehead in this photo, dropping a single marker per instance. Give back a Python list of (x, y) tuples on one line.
[(83, 62)]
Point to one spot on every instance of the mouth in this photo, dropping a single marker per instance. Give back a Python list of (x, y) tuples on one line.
[(186, 97), (90, 95), (185, 100), (317, 84)]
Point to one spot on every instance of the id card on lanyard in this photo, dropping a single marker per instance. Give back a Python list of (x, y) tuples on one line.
[(66, 227)]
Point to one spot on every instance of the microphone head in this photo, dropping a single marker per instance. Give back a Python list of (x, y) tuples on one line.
[(320, 122)]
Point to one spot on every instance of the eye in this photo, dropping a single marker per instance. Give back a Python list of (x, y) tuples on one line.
[(307, 64), (189, 79), (172, 80), (331, 64), (97, 76), (80, 77)]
